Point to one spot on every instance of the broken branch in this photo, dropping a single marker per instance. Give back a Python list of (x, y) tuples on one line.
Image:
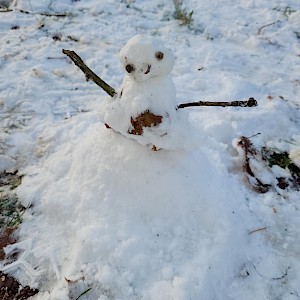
[(257, 230), (62, 15), (5, 10), (262, 27), (89, 73), (248, 103)]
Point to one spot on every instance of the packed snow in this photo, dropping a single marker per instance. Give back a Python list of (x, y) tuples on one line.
[(147, 88), (108, 216)]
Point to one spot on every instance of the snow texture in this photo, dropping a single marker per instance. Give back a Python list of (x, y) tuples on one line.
[(107, 213)]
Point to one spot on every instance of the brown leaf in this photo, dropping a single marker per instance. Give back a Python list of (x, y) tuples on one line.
[(10, 289), (6, 238), (145, 119)]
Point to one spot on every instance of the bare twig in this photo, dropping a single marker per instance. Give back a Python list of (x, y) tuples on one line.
[(83, 293), (249, 103), (43, 14), (283, 276), (261, 28), (59, 57), (256, 230), (89, 73), (5, 10)]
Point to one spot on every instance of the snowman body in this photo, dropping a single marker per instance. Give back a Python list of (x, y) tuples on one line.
[(145, 107), (155, 95)]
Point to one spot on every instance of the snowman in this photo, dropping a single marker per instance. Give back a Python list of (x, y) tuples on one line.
[(145, 107)]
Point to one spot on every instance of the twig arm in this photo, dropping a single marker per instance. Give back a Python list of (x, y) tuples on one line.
[(90, 75), (249, 103), (111, 91)]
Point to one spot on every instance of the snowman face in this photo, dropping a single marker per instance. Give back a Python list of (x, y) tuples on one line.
[(144, 57)]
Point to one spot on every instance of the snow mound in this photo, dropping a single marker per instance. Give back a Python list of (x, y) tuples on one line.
[(145, 224)]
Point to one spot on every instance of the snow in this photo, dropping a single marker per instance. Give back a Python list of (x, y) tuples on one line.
[(294, 155), (147, 87), (142, 51), (110, 214)]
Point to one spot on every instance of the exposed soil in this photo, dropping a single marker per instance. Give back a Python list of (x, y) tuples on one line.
[(10, 218), (12, 179), (6, 238), (10, 289)]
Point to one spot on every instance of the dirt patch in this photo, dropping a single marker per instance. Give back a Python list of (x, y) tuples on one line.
[(13, 179), (10, 218), (10, 289), (6, 238)]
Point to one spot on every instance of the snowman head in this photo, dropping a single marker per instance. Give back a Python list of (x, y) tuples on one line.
[(144, 57)]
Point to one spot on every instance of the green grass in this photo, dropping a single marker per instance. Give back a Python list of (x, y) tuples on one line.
[(275, 157), (281, 159), (11, 210), (185, 18)]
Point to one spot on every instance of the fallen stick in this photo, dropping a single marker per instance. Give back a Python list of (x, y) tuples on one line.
[(248, 103), (262, 27), (5, 10), (62, 15), (89, 74), (257, 230)]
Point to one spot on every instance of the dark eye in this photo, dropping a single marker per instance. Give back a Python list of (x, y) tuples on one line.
[(129, 68), (159, 55)]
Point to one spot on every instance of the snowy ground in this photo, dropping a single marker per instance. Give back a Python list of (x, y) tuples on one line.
[(112, 216)]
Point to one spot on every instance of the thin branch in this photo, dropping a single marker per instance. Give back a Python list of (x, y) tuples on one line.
[(89, 73), (261, 28), (35, 13), (42, 14), (248, 103), (256, 230), (83, 293), (59, 57)]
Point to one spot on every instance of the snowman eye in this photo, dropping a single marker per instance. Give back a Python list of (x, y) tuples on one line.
[(129, 68), (159, 55)]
